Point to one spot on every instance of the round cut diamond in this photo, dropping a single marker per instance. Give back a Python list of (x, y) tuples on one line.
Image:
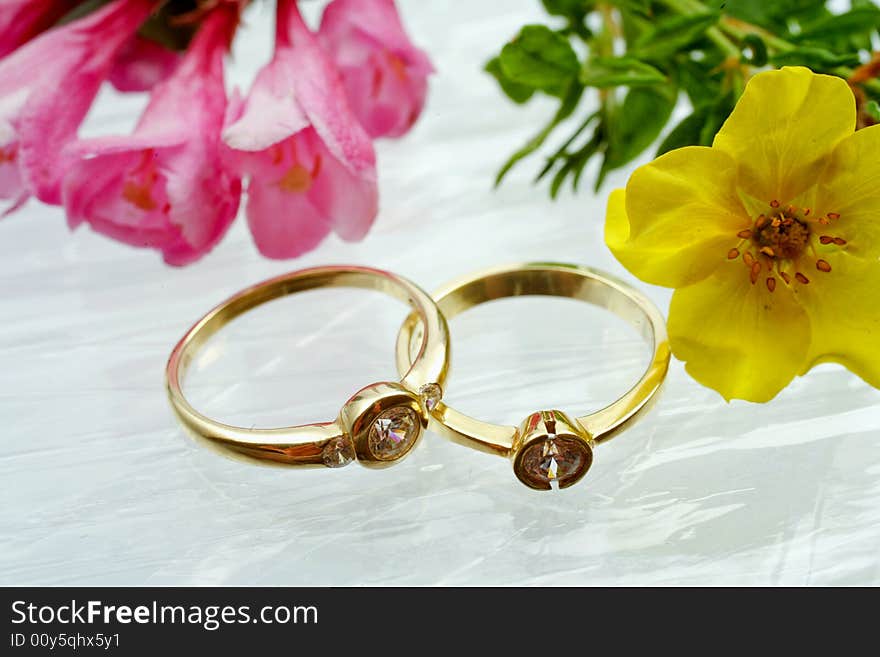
[(555, 462), (338, 452), (393, 433), (430, 394)]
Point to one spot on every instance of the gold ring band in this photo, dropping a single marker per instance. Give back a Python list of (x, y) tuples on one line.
[(378, 426), (548, 448)]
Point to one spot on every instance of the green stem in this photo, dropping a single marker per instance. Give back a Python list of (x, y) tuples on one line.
[(605, 48), (690, 7), (740, 29), (605, 38)]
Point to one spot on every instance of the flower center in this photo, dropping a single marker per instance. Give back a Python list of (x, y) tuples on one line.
[(139, 184), (296, 179), (783, 237), (779, 242)]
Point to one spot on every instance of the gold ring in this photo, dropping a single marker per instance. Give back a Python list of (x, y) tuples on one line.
[(549, 449), (378, 426)]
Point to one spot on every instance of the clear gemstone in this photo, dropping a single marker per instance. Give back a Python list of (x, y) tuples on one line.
[(555, 462), (338, 452), (393, 433), (430, 394)]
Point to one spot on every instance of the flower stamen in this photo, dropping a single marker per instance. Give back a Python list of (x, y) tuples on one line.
[(781, 237), (756, 271), (137, 189)]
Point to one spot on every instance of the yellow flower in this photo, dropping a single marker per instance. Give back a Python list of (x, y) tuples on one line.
[(771, 238)]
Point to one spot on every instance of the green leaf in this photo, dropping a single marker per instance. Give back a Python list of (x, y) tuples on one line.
[(562, 151), (638, 6), (518, 93), (568, 8), (814, 57), (702, 85), (686, 133), (540, 58), (672, 34), (566, 107), (759, 50), (872, 109), (771, 13), (604, 72), (859, 20), (636, 124), (634, 25), (718, 113)]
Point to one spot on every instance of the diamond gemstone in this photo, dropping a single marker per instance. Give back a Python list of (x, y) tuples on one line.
[(338, 452), (555, 462), (393, 433), (430, 394)]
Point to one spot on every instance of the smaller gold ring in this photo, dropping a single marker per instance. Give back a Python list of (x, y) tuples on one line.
[(549, 449), (378, 426)]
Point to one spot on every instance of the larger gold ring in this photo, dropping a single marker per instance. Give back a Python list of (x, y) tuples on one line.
[(548, 448), (378, 426)]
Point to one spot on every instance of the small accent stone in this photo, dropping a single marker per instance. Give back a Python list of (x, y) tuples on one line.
[(555, 462), (338, 452), (430, 394), (393, 433)]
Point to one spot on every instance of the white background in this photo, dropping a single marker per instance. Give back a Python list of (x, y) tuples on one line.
[(100, 486)]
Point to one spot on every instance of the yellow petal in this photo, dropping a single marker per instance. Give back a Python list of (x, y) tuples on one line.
[(678, 218), (845, 316), (737, 338), (851, 188), (784, 127)]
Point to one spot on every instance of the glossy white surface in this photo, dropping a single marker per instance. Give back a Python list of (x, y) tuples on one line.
[(101, 487)]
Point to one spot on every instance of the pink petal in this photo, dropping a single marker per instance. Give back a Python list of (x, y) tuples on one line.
[(10, 176), (167, 186), (379, 21), (282, 217), (94, 192), (386, 102), (321, 96), (21, 20), (350, 200), (271, 112), (299, 191), (384, 74), (142, 64), (73, 61), (283, 225)]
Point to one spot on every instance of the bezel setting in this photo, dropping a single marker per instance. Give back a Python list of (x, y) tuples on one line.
[(385, 422), (551, 451)]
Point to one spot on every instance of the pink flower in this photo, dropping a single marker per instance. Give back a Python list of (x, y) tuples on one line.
[(312, 167), (384, 74), (168, 186), (21, 20), (46, 88), (142, 64)]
